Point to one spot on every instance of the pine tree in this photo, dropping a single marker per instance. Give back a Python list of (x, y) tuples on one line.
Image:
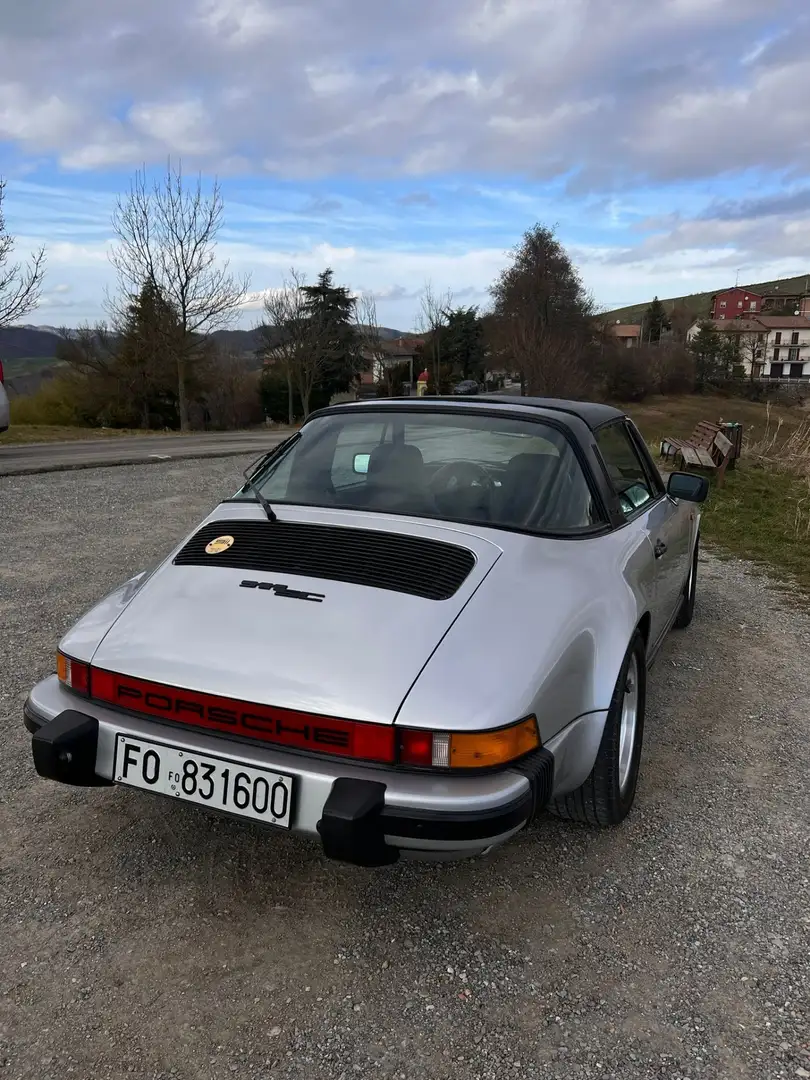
[(710, 353), (331, 311), (463, 342), (656, 321), (143, 361)]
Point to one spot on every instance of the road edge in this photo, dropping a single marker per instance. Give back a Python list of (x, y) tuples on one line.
[(151, 459)]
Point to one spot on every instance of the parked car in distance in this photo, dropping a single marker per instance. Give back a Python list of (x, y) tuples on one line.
[(416, 626), (467, 387), (5, 409)]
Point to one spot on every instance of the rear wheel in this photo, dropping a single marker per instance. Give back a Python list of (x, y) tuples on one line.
[(607, 795), (687, 608)]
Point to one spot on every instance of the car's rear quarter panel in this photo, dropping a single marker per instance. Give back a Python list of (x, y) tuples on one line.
[(545, 633)]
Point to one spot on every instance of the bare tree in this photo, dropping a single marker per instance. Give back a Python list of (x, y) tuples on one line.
[(431, 320), (367, 333), (20, 285), (296, 340), (167, 235), (749, 353)]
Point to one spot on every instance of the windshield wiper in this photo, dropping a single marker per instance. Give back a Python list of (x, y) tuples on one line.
[(260, 499)]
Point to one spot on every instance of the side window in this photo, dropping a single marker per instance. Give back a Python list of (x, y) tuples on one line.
[(625, 468)]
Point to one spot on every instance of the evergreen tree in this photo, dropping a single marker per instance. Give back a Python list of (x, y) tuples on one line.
[(143, 357), (330, 310), (463, 343), (656, 321), (710, 352)]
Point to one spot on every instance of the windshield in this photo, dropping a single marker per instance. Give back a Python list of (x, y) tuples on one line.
[(494, 470)]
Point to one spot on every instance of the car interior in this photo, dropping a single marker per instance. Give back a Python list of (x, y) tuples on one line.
[(536, 491)]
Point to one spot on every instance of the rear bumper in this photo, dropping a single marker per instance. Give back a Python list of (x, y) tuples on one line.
[(361, 814)]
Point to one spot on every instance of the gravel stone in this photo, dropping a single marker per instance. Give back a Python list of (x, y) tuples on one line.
[(141, 937)]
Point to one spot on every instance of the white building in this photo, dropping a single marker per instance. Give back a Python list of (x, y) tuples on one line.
[(787, 346), (778, 346)]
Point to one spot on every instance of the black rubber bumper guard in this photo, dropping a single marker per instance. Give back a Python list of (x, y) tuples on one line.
[(355, 820), (65, 748)]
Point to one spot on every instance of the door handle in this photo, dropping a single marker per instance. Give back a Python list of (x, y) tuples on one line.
[(659, 549)]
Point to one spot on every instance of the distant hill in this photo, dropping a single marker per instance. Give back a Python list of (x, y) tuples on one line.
[(29, 352), (699, 304), (18, 342)]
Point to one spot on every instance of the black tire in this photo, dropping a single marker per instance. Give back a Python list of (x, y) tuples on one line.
[(687, 608), (601, 801)]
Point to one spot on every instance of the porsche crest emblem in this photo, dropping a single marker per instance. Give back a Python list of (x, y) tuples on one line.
[(220, 544)]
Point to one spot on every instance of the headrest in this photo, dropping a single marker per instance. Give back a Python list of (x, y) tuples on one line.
[(400, 456)]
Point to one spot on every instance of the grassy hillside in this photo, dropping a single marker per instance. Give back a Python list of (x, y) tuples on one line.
[(699, 304)]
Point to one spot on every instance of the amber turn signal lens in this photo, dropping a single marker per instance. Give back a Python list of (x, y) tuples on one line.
[(480, 750), (73, 673)]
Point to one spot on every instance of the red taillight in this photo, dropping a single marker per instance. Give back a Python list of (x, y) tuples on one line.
[(415, 747), (373, 742), (284, 727), (1, 372), (103, 685), (356, 739), (73, 673)]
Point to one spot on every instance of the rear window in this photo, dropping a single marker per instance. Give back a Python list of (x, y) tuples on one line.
[(492, 470)]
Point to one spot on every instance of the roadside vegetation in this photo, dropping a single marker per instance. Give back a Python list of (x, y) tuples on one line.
[(762, 511), (42, 433)]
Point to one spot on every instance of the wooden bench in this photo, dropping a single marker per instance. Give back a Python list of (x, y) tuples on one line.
[(700, 439), (706, 448)]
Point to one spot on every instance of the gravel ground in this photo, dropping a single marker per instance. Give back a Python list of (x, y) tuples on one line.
[(139, 937)]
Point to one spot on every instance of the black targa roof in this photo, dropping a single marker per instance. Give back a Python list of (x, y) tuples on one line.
[(591, 413)]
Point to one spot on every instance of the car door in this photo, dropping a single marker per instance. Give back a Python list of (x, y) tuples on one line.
[(643, 500)]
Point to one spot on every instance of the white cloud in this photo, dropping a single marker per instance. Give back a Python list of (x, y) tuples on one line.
[(665, 90), (35, 121), (182, 126), (611, 99)]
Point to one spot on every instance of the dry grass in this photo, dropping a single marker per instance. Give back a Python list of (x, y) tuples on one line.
[(41, 433), (781, 447), (678, 415)]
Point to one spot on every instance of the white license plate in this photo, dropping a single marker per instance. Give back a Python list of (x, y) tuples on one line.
[(207, 779)]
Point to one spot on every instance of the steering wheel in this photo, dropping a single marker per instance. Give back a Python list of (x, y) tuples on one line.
[(462, 486)]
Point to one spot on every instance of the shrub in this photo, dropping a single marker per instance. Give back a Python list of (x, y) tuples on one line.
[(57, 401), (625, 373), (232, 398), (671, 367)]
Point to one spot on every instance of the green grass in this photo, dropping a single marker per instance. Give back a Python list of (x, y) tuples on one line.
[(760, 513), (764, 516)]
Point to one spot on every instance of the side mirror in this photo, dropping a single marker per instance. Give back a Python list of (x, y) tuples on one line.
[(688, 486), (360, 463)]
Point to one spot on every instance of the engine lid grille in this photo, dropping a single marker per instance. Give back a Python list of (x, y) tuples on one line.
[(415, 565)]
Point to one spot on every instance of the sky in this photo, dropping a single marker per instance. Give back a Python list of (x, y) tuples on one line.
[(405, 141)]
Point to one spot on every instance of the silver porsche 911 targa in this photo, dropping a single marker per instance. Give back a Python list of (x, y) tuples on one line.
[(416, 626)]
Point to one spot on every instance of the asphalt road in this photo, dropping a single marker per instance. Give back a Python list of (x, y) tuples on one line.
[(30, 458), (140, 938)]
